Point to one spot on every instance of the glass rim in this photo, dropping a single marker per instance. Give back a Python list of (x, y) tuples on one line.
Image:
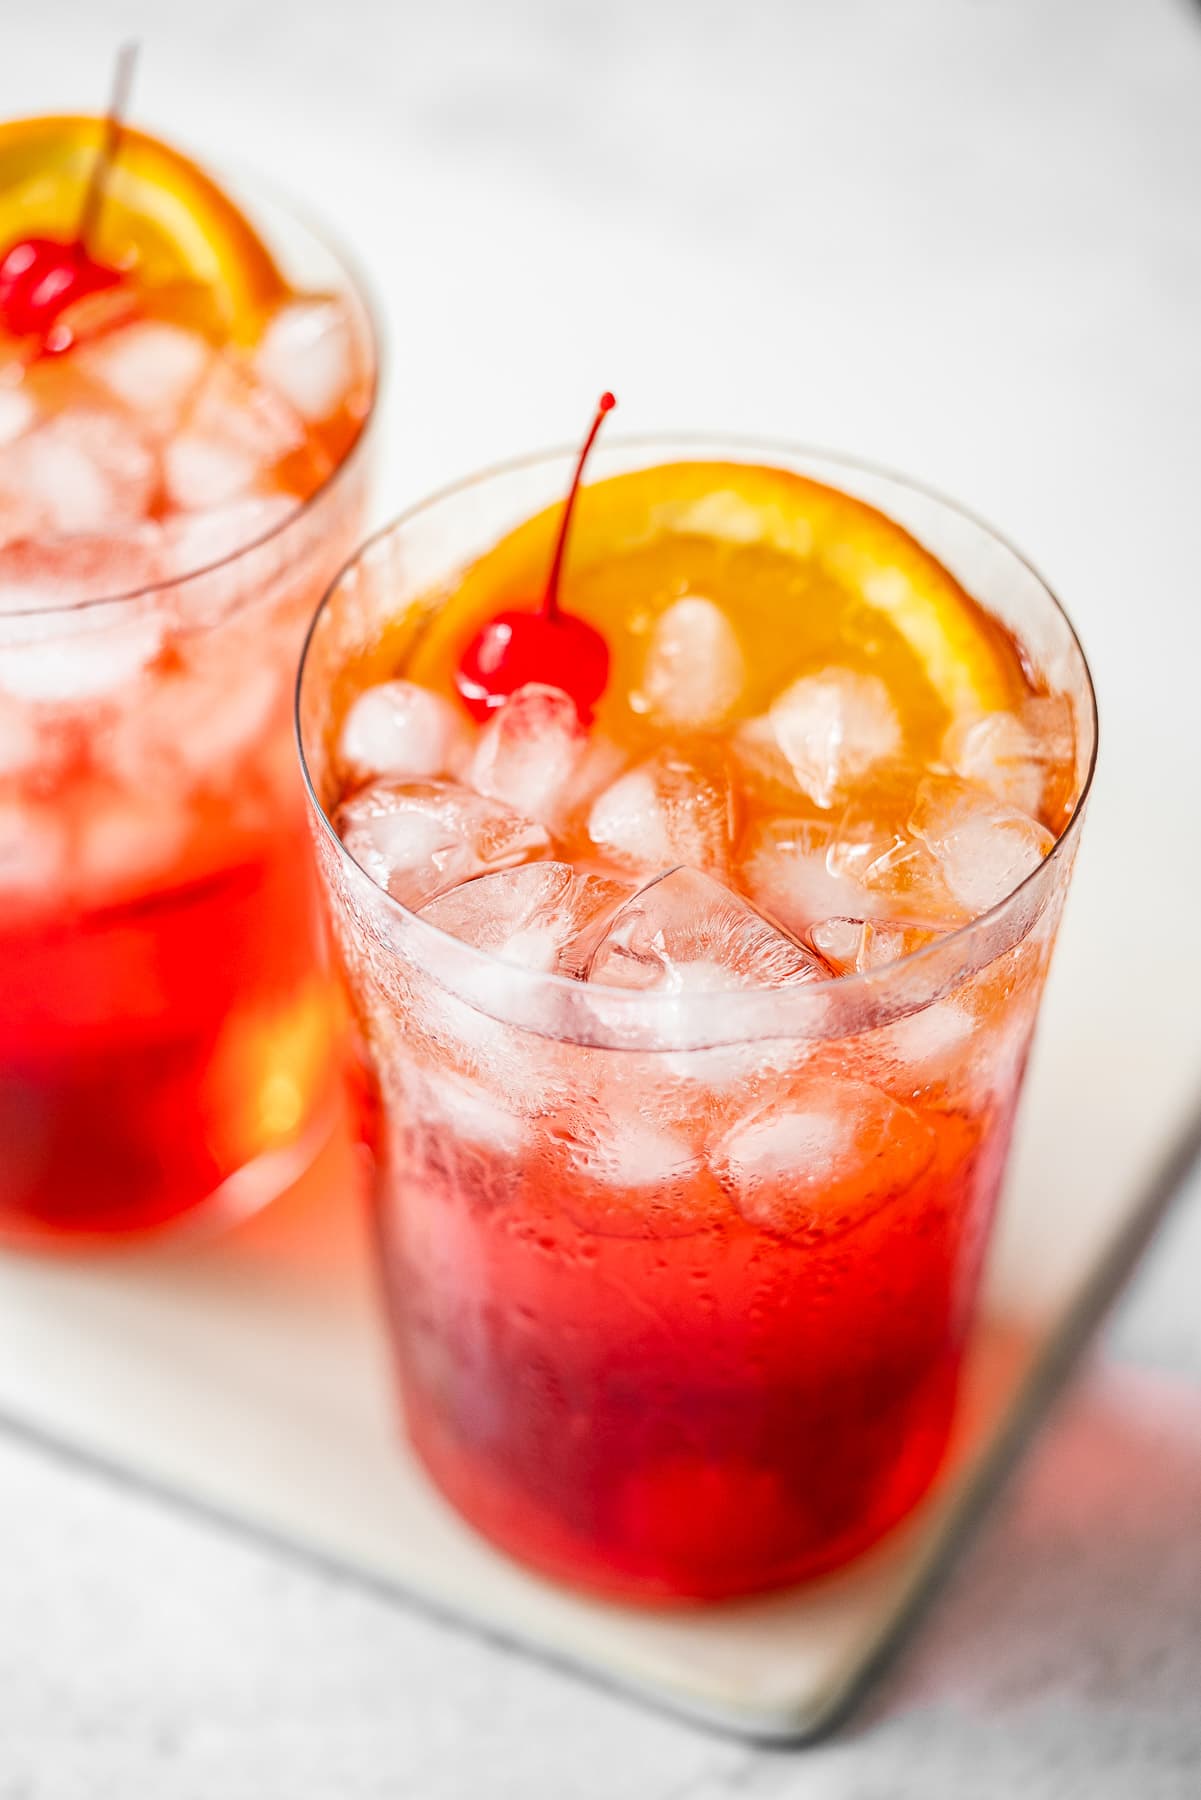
[(640, 1003), (363, 295)]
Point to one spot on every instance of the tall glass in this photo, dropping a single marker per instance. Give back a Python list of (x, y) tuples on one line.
[(700, 1380), (167, 1013)]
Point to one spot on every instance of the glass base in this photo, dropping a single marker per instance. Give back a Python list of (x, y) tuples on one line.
[(244, 1192), (689, 1565)]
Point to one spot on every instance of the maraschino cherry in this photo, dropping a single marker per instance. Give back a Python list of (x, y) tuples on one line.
[(548, 645), (39, 276)]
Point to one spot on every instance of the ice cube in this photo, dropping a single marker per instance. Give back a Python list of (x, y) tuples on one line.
[(417, 839), (631, 1177), (633, 1152), (233, 434), (233, 407), (686, 933), (1012, 754), (824, 1161), (761, 761), (48, 575), (528, 752), (662, 812), (786, 870), (470, 1111), (79, 658), (899, 873), (630, 1152), (17, 413), (201, 472), (218, 725), (694, 670), (523, 1070), (984, 849), (855, 946), (152, 367), (540, 916), (193, 725), (832, 727), (933, 1036), (193, 541), (19, 739), (307, 355), (82, 471), (33, 851), (398, 728), (20, 521)]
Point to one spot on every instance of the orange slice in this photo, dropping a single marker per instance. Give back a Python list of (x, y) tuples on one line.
[(806, 574), (163, 219)]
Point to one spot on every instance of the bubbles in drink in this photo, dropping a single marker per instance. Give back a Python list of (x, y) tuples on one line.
[(625, 1172)]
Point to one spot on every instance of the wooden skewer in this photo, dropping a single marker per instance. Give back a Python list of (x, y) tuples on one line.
[(114, 124)]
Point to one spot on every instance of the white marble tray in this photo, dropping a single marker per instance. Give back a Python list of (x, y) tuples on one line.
[(249, 1376)]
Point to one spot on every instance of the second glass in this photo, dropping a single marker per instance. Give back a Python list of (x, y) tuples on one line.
[(168, 1021)]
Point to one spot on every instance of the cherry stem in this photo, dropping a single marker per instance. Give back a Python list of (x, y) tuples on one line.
[(550, 603), (114, 124)]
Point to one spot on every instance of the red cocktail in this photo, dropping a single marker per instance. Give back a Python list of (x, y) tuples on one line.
[(180, 476), (697, 1005)]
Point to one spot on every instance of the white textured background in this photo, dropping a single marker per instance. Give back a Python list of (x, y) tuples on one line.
[(962, 236)]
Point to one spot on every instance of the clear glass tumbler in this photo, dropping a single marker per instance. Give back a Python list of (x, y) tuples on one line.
[(168, 1017), (655, 1388)]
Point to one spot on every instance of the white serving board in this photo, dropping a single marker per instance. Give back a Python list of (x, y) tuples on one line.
[(250, 1375), (1027, 366)]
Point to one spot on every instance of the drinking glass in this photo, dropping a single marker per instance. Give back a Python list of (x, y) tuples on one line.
[(168, 1018), (654, 1380)]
